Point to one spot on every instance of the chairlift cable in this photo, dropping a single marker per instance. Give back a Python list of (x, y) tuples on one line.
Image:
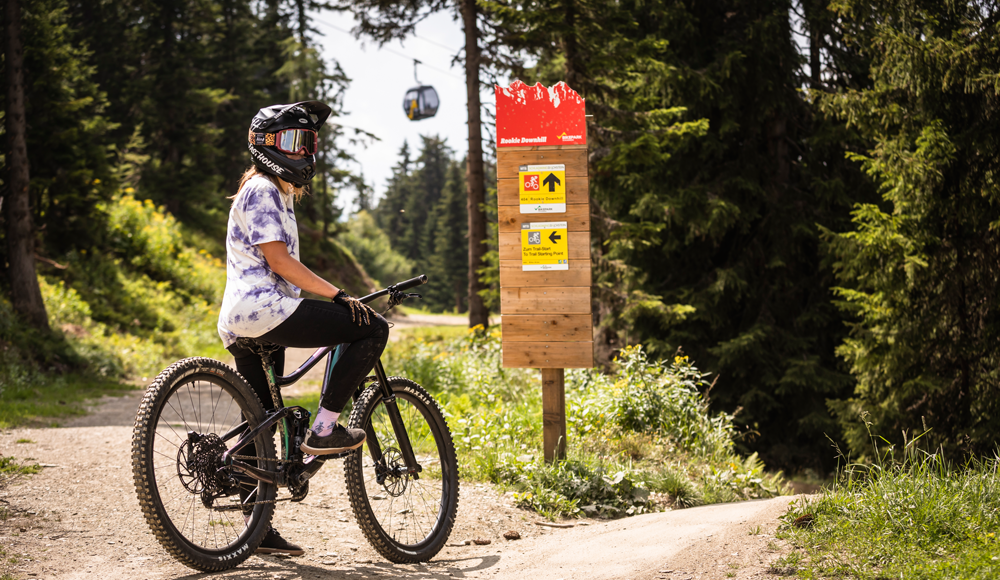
[(450, 50), (391, 51)]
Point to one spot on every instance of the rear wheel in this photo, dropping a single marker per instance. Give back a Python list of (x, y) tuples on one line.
[(191, 413), (407, 517)]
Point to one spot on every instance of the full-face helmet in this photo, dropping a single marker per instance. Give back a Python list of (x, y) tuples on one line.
[(281, 130)]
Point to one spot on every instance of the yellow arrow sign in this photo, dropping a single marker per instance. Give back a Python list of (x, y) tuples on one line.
[(542, 188), (544, 246)]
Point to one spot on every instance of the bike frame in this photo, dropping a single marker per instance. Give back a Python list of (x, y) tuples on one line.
[(282, 414)]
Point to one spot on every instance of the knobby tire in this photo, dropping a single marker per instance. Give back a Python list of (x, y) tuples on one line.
[(418, 531), (160, 426)]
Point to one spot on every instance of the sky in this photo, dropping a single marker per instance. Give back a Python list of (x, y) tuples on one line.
[(379, 79)]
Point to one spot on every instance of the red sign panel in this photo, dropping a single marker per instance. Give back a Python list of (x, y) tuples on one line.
[(539, 116)]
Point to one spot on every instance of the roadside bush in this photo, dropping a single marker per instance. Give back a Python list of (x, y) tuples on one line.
[(148, 240), (644, 396), (151, 299), (640, 438)]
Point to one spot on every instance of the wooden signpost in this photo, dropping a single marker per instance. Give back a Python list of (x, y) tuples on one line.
[(544, 225)]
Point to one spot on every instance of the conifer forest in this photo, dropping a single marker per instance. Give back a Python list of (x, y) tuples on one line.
[(802, 196)]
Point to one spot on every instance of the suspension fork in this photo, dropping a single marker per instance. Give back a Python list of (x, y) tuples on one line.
[(402, 437)]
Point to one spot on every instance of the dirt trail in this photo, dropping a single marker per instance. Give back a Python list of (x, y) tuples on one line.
[(79, 518)]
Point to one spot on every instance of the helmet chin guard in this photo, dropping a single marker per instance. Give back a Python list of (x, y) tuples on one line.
[(270, 120)]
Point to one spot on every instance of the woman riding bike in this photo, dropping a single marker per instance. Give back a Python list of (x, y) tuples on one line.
[(264, 278)]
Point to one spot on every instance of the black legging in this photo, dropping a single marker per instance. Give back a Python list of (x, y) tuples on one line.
[(314, 324)]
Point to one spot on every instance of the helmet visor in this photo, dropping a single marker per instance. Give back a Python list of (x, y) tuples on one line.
[(296, 141)]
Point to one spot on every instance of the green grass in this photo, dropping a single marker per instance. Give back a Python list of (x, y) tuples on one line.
[(11, 469), (47, 400), (415, 306), (430, 333), (916, 517)]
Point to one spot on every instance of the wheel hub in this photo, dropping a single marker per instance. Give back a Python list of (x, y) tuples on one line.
[(392, 473)]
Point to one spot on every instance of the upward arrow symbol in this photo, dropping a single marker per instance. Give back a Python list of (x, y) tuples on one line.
[(552, 181)]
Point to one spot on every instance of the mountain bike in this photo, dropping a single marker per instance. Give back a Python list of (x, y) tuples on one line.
[(207, 473)]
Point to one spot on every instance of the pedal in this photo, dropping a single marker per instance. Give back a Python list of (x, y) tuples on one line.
[(340, 455)]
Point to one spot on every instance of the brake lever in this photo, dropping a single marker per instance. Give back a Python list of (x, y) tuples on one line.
[(396, 298)]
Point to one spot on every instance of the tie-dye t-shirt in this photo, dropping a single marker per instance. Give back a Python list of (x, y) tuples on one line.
[(257, 299)]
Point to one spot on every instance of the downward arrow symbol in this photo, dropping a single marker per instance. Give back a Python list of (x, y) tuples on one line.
[(552, 181)]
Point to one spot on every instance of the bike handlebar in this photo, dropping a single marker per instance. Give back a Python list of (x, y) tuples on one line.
[(398, 287), (412, 282)]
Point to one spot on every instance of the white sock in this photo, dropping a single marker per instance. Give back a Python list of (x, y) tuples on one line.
[(325, 420)]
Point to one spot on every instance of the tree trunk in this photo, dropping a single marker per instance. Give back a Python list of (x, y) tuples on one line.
[(570, 46), (26, 297), (812, 11), (303, 18), (475, 174)]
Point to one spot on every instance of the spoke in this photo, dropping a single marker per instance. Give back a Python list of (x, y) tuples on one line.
[(215, 404), (179, 438), (180, 413), (194, 410), (215, 533), (228, 409), (188, 514), (199, 405), (174, 458)]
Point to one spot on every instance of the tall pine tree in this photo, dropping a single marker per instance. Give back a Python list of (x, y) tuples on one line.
[(919, 269), (446, 250)]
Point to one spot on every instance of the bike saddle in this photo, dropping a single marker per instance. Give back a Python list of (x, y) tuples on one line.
[(257, 346)]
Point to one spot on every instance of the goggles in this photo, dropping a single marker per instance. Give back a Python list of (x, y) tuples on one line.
[(290, 141)]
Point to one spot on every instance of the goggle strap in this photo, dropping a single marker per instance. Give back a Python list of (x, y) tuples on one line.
[(266, 139)]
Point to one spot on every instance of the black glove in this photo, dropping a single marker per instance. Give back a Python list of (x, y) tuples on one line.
[(360, 313)]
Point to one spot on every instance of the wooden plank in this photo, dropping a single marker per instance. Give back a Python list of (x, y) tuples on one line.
[(577, 217), (578, 274), (566, 355), (545, 301), (541, 147), (508, 162), (577, 191), (554, 327), (579, 244), (554, 414)]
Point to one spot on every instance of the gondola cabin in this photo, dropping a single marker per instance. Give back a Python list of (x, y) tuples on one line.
[(420, 103)]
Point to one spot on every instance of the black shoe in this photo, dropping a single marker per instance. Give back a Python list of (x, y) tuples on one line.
[(342, 439), (274, 544)]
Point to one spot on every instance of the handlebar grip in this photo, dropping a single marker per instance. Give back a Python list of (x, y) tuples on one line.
[(412, 282)]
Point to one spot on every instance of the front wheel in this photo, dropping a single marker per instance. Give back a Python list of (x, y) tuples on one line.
[(407, 517), (203, 513)]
